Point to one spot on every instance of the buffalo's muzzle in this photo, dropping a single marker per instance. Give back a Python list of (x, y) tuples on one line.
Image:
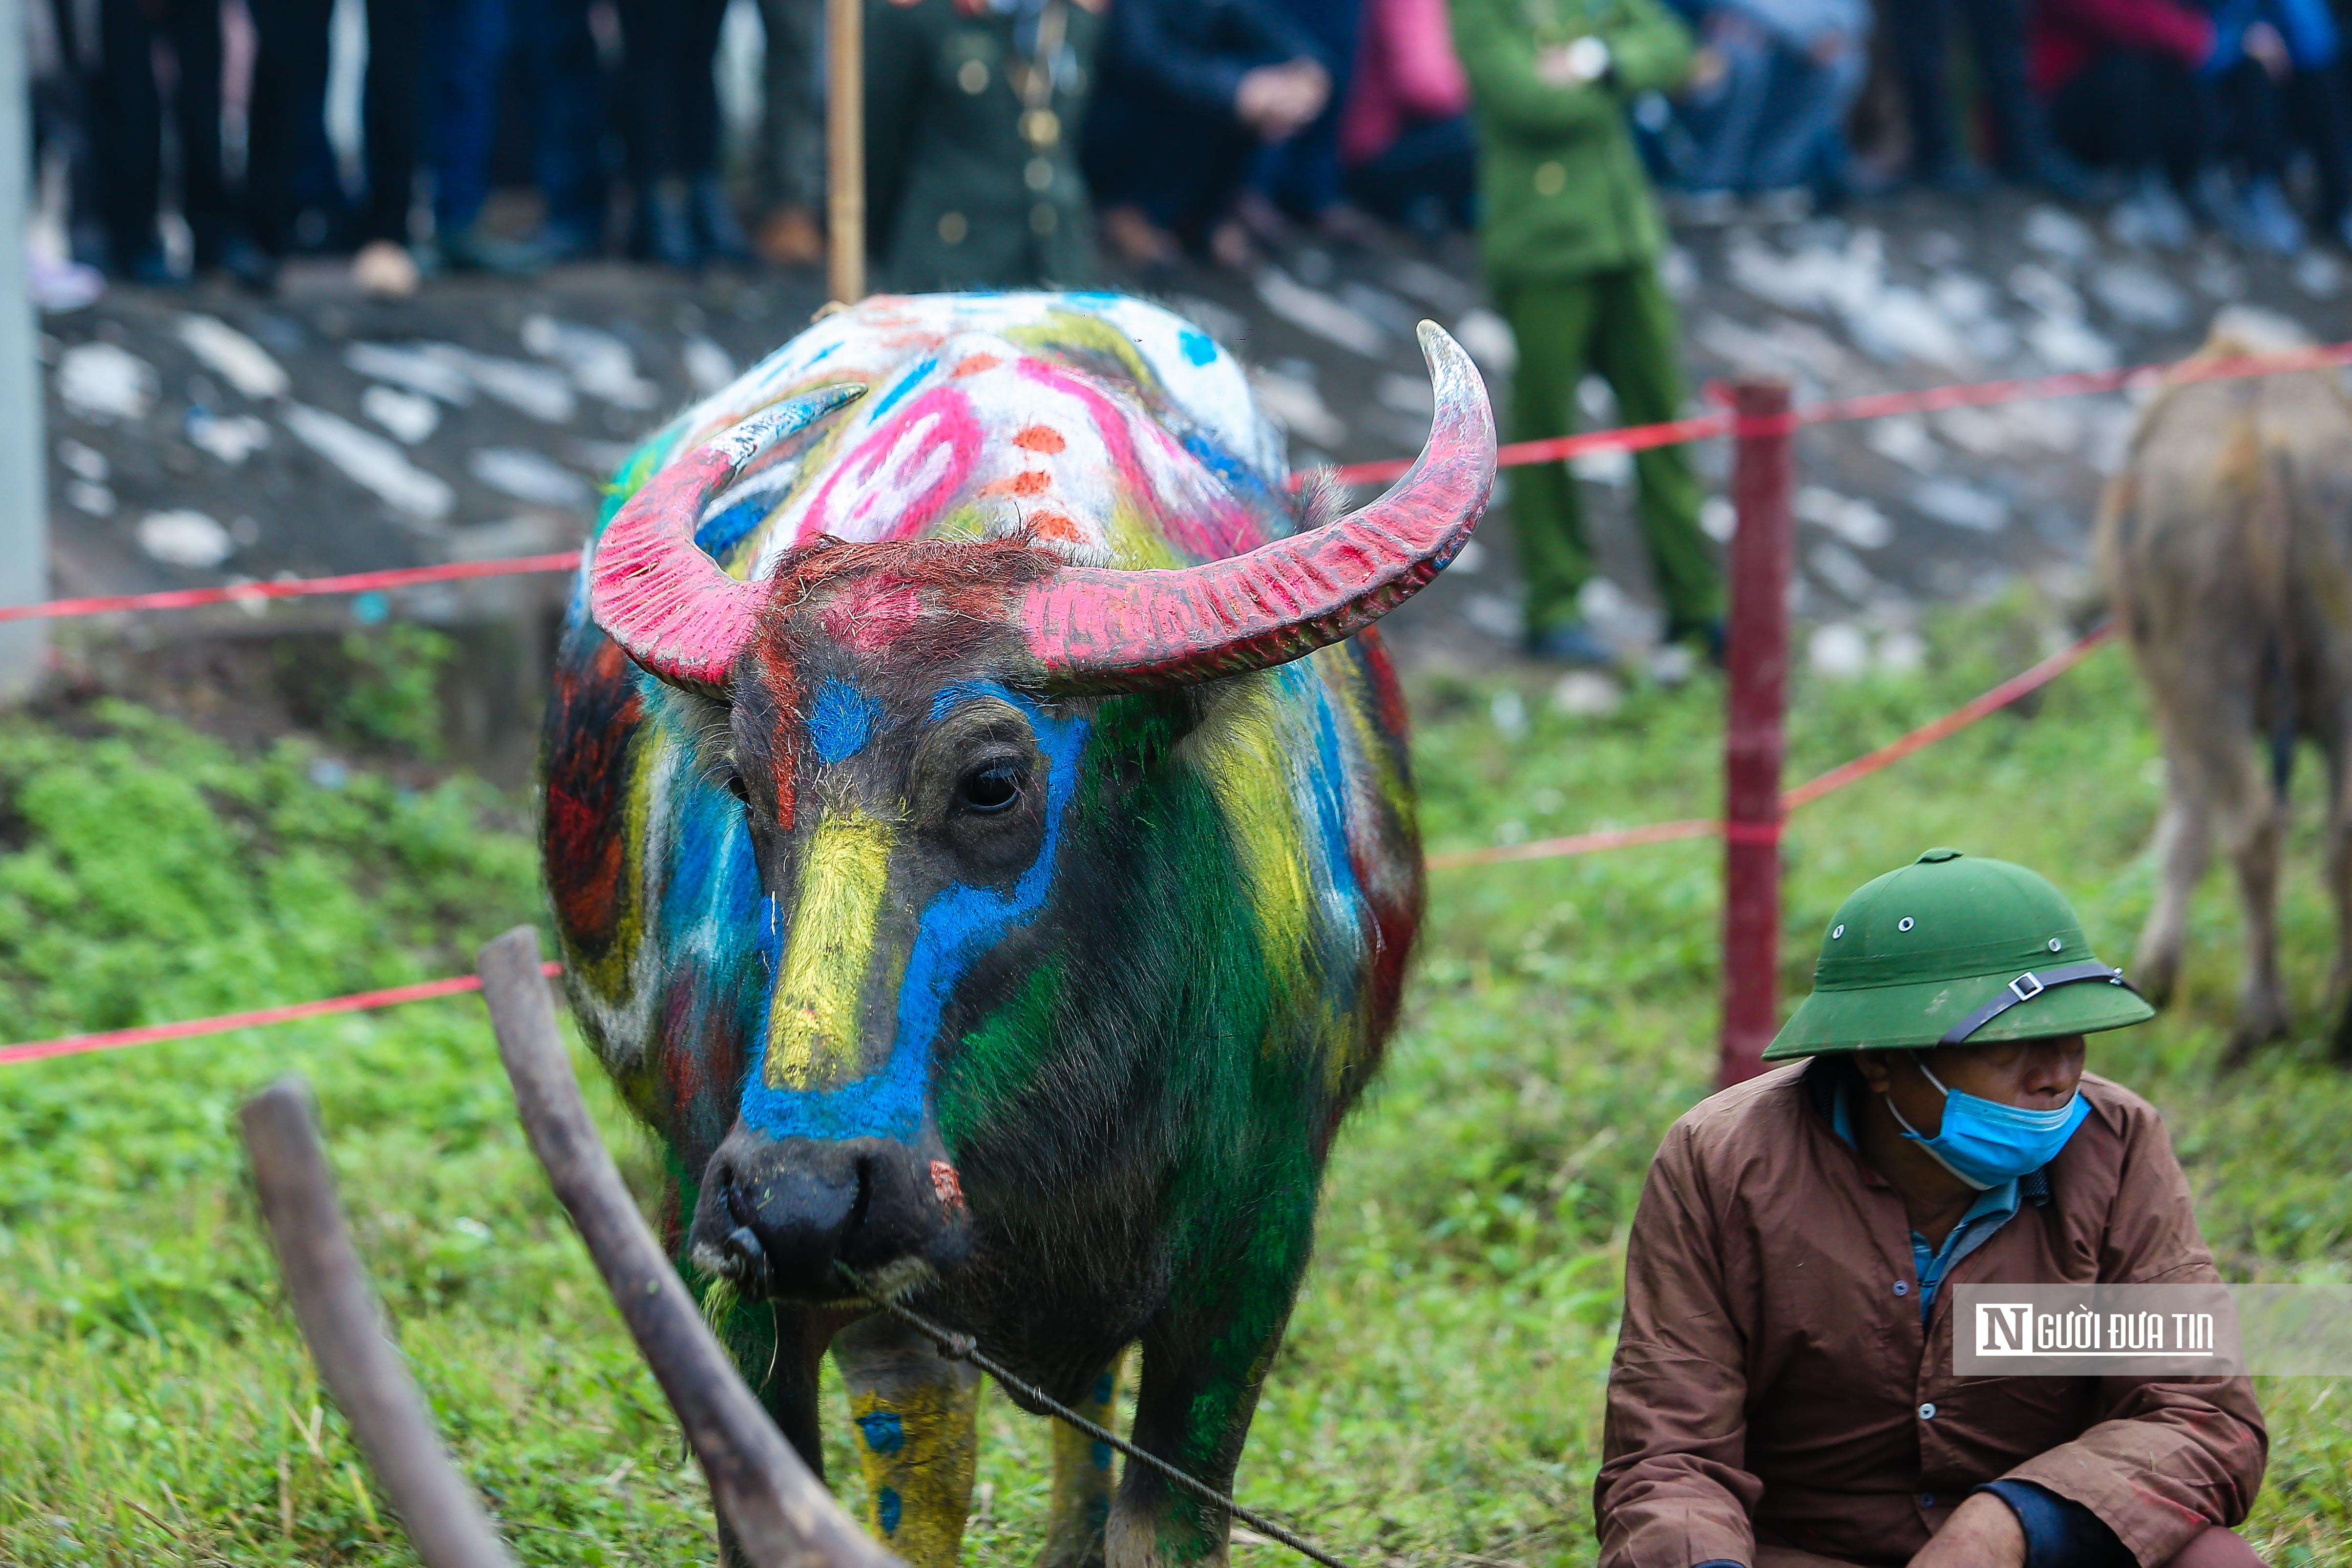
[(776, 1215)]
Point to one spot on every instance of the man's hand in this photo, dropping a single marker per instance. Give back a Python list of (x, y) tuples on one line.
[(1981, 1534), (1276, 101), (1580, 63)]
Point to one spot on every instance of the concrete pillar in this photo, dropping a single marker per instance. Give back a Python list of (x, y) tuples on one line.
[(24, 450)]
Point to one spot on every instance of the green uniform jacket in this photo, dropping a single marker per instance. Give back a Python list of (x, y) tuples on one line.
[(956, 196), (1563, 192)]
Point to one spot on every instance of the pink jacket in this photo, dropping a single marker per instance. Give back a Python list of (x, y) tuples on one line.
[(1406, 74)]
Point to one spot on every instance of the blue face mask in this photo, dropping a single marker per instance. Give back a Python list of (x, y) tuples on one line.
[(1985, 1143)]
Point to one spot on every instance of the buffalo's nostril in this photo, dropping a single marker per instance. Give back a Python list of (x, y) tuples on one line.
[(750, 1258)]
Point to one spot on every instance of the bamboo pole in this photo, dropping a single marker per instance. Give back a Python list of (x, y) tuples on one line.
[(844, 148), (367, 1376)]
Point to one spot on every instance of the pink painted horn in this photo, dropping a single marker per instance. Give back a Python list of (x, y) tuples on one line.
[(1106, 631), (653, 590)]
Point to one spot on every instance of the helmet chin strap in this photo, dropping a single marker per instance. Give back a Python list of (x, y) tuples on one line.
[(1920, 1138)]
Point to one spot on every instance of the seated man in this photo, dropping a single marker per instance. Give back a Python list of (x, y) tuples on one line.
[(1783, 1393)]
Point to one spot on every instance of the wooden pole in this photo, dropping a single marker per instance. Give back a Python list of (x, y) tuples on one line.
[(844, 148), (337, 1312), (782, 1516), (1763, 548)]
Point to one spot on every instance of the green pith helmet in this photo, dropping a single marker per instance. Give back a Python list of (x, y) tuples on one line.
[(1953, 949)]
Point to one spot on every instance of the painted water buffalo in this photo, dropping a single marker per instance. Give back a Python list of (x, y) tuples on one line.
[(979, 833), (2226, 543)]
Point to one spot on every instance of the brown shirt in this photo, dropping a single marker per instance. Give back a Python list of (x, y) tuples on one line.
[(1773, 1381)]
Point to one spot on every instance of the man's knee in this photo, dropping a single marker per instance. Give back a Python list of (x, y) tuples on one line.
[(2216, 1548)]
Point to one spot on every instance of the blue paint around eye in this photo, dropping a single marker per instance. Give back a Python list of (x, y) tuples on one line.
[(956, 929), (887, 1509), (1198, 346), (885, 1433), (840, 721)]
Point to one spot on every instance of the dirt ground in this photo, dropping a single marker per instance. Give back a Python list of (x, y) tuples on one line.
[(330, 432)]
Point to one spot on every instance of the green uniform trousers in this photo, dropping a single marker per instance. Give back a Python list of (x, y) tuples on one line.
[(1622, 324)]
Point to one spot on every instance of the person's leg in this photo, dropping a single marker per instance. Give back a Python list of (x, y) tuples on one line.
[(718, 232), (793, 132), (126, 132), (1635, 345), (391, 99), (195, 32), (1553, 322), (2316, 113), (568, 136), (468, 63), (651, 43), (2216, 1548), (1810, 102), (1997, 40), (1919, 31), (290, 67), (1726, 124)]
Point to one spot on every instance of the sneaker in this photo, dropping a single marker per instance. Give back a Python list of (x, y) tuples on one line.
[(717, 229), (789, 236), (1571, 643), (2151, 216), (2271, 223), (662, 232), (476, 249), (152, 268), (386, 270), (571, 239)]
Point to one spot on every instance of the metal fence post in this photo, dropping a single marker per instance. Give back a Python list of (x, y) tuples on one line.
[(1763, 548), (24, 501)]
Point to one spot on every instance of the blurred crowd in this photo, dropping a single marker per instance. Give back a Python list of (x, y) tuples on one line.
[(1015, 142), (1008, 138)]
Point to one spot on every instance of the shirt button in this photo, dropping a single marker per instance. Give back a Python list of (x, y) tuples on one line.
[(1551, 179), (1902, 1286), (1927, 1412), (1927, 1500)]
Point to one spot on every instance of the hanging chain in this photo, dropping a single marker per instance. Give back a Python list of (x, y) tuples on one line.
[(964, 1348)]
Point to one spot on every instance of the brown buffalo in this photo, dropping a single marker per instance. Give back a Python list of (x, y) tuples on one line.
[(2226, 545)]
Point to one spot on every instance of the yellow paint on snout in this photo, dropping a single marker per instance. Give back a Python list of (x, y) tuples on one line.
[(813, 1030)]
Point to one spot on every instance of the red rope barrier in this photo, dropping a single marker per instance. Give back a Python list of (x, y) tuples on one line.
[(189, 1029), (1812, 789), (292, 587), (1554, 449), (1862, 767)]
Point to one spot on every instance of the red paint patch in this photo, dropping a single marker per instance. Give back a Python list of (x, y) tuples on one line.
[(973, 364), (1054, 526), (869, 616), (1040, 438), (1029, 483), (946, 1185)]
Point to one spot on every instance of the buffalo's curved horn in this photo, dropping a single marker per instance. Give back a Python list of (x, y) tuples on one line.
[(1108, 631), (673, 608)]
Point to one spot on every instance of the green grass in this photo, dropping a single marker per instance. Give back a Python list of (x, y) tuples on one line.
[(1438, 1400)]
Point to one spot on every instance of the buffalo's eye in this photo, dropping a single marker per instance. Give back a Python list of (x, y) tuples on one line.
[(990, 788), (734, 782)]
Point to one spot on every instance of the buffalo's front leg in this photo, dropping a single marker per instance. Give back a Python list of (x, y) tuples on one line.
[(915, 1436), (1204, 1363), (1081, 1481)]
